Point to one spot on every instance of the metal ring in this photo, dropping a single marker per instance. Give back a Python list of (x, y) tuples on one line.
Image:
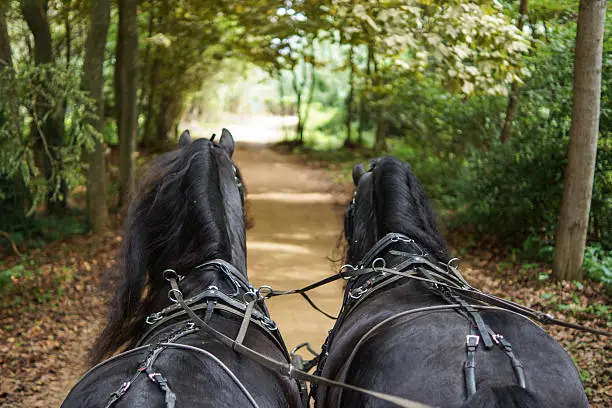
[(269, 323), (264, 291), (384, 263), (170, 274), (152, 318), (344, 269), (175, 298), (357, 293), (212, 287), (249, 296), (454, 261)]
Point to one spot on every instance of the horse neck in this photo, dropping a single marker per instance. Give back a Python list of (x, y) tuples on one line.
[(406, 210)]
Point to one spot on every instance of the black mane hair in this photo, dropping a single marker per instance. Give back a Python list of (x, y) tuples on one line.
[(390, 199), (187, 211)]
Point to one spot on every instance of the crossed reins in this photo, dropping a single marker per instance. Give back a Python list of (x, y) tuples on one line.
[(452, 280), (283, 368), (449, 279)]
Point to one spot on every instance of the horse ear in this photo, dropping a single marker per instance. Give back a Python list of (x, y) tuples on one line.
[(227, 141), (358, 171), (184, 139)]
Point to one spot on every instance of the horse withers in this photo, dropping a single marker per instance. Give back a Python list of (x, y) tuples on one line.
[(407, 326), (186, 225)]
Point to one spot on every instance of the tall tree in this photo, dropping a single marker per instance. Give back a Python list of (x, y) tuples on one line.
[(6, 60), (578, 185), (93, 83), (51, 131), (350, 97), (514, 91), (126, 73)]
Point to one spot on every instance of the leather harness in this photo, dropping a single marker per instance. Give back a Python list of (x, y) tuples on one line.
[(244, 303), (371, 275)]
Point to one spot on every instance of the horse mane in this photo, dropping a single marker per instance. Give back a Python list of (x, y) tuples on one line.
[(185, 213), (391, 199)]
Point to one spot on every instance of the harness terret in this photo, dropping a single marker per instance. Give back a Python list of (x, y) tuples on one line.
[(244, 302)]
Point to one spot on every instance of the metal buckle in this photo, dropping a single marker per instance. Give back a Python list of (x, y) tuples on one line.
[(382, 260), (153, 375), (357, 293), (249, 296), (123, 389), (154, 317), (472, 340), (269, 323)]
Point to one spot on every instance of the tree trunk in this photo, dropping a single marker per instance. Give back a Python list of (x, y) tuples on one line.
[(380, 141), (93, 84), (578, 184), (127, 85), (281, 96), (13, 207), (362, 100), (311, 89), (514, 91), (6, 56), (298, 89), (349, 99), (169, 111), (52, 130)]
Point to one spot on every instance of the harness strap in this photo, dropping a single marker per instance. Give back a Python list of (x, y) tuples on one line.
[(162, 383), (471, 345), (210, 308), (481, 326), (517, 366), (121, 391), (280, 367), (245, 323)]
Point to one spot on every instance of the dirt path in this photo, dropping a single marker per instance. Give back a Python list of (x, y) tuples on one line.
[(297, 225), (296, 228)]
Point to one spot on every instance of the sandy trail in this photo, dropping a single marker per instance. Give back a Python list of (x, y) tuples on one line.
[(297, 224)]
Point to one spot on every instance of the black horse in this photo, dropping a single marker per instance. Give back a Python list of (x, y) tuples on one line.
[(187, 222), (407, 326)]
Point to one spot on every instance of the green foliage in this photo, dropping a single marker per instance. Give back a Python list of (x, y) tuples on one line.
[(598, 263), (513, 190), (27, 281), (23, 143)]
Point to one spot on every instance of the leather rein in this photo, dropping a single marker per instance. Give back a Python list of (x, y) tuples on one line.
[(445, 277)]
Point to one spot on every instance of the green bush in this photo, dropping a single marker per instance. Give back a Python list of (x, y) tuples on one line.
[(598, 263), (514, 190)]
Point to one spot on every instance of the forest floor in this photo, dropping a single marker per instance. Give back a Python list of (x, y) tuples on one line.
[(52, 316)]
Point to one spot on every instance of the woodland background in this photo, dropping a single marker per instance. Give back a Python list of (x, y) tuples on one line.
[(476, 94)]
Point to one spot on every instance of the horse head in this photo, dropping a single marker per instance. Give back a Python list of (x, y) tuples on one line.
[(388, 198), (188, 210)]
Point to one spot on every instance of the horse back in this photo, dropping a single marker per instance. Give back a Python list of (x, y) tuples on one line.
[(196, 379), (421, 356)]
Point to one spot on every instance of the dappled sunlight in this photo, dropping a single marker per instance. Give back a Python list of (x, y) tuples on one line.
[(277, 247)]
